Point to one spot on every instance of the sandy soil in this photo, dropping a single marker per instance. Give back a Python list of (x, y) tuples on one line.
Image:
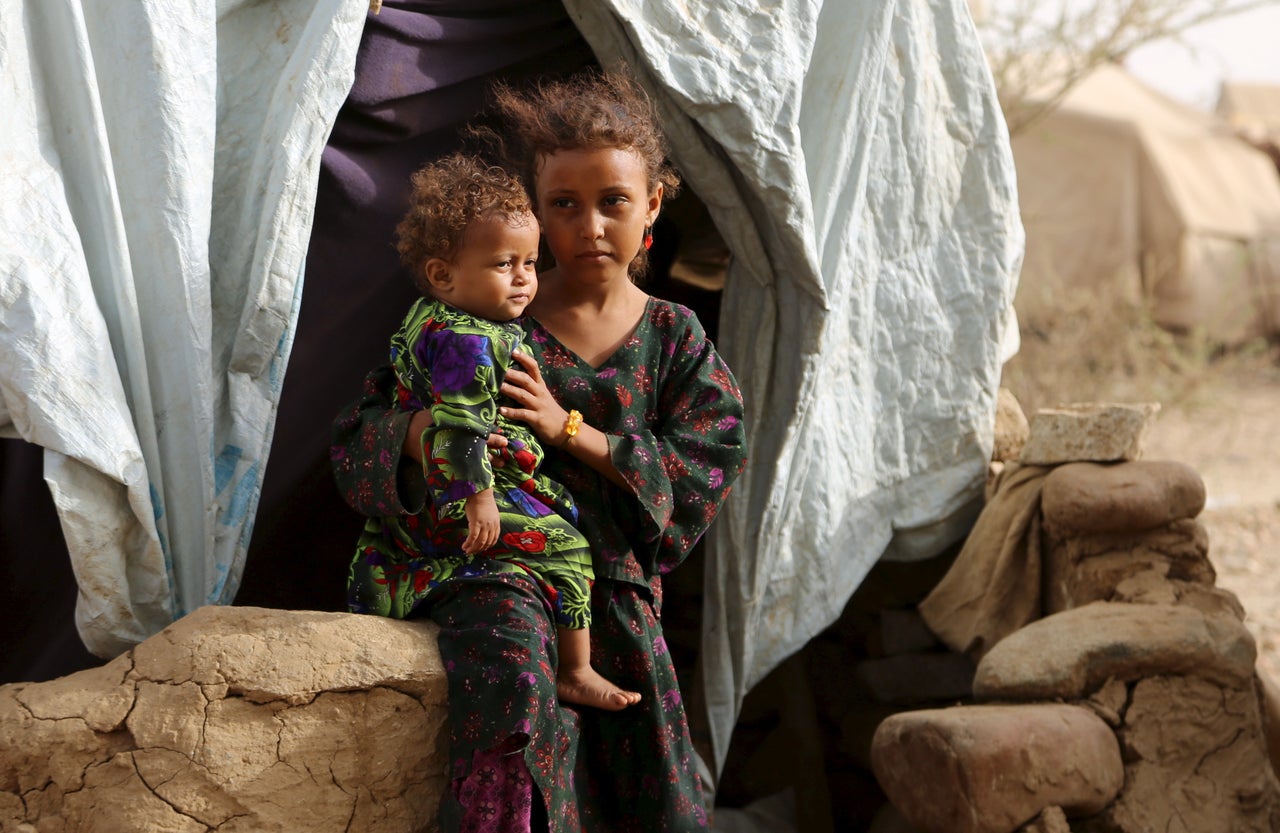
[(1231, 436)]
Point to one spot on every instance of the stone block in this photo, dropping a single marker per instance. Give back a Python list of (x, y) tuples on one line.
[(267, 655), (1012, 428), (1052, 820), (1093, 431), (1195, 760), (992, 769), (1094, 567), (1109, 702), (1087, 498), (1071, 654), (239, 719)]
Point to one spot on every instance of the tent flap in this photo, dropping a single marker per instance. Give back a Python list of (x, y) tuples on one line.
[(152, 249), (854, 158)]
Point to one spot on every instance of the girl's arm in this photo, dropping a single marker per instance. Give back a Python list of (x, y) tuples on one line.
[(544, 416), (367, 440), (369, 436)]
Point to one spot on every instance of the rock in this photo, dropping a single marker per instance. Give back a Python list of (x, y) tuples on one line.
[(1125, 566), (52, 731), (991, 769), (237, 718), (1209, 600), (1109, 702), (995, 473), (1195, 761), (1070, 654), (1084, 498), (1052, 820), (1094, 431), (1012, 428)]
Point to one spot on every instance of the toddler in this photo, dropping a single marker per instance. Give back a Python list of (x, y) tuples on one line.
[(471, 241)]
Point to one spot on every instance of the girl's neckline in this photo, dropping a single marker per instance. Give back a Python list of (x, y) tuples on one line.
[(607, 360)]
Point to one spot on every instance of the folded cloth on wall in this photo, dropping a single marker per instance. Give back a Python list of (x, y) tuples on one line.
[(993, 588)]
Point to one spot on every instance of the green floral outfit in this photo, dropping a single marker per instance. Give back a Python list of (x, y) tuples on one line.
[(453, 363)]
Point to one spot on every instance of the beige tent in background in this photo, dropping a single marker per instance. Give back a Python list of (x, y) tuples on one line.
[(1127, 195), (1252, 109)]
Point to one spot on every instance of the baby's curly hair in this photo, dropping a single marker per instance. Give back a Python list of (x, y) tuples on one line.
[(592, 110), (447, 196)]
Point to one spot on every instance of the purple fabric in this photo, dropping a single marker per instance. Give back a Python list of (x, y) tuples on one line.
[(497, 794)]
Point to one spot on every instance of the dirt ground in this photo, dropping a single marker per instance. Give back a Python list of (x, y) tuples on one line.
[(1230, 433)]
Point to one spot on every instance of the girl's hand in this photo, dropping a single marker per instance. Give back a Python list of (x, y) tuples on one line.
[(483, 523), (536, 407)]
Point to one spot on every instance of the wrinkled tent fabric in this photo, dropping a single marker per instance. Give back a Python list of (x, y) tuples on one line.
[(153, 222), (852, 156), (856, 162)]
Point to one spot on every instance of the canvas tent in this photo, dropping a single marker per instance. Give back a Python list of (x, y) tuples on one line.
[(1252, 109), (154, 221), (1128, 195)]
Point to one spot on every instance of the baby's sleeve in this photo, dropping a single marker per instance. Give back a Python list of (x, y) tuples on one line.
[(453, 374)]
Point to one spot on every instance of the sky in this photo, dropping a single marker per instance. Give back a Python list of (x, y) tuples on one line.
[(1245, 47)]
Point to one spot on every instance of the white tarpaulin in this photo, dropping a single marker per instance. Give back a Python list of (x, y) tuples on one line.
[(855, 160), (159, 168), (158, 172)]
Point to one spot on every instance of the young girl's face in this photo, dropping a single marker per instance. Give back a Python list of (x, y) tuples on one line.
[(492, 275), (595, 206)]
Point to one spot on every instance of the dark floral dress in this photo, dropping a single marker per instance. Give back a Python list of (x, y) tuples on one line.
[(673, 414), (453, 364)]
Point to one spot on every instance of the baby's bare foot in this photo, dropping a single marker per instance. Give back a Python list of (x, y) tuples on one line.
[(585, 687)]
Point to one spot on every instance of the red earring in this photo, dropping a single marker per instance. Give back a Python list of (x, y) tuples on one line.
[(648, 237)]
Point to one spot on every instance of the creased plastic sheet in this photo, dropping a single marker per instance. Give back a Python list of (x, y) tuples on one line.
[(158, 162), (855, 160)]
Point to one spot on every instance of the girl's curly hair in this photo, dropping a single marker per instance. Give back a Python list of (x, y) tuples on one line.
[(591, 110), (446, 197)]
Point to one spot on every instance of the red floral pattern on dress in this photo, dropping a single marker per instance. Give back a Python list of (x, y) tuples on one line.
[(531, 540)]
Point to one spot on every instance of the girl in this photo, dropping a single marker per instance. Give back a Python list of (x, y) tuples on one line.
[(659, 446), (471, 242)]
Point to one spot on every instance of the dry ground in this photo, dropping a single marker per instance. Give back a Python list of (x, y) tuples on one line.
[(1220, 414), (1234, 442)]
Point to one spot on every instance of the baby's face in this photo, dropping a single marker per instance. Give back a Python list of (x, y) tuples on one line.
[(493, 274)]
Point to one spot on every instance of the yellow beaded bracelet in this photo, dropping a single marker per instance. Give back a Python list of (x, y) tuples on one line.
[(571, 425)]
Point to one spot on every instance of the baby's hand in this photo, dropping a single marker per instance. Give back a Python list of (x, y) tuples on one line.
[(482, 522), (497, 447)]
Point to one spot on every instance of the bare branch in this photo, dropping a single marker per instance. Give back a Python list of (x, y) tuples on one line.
[(1038, 52)]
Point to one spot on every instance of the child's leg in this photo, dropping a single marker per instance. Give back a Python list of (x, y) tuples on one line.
[(577, 682)]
